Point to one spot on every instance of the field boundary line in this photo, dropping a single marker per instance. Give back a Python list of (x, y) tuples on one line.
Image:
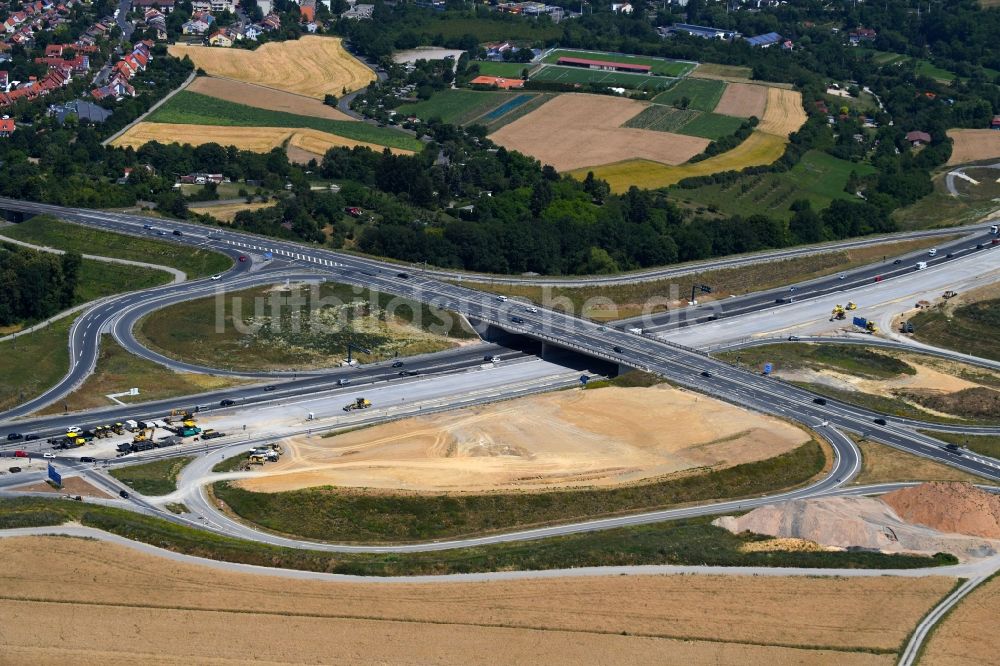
[(191, 77)]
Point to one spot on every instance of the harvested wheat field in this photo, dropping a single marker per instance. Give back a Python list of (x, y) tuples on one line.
[(970, 145), (227, 212), (570, 438), (743, 100), (312, 66), (784, 113), (262, 97), (759, 148), (574, 130), (967, 635), (257, 139), (67, 597)]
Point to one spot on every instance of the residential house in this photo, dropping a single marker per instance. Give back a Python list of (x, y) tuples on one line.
[(79, 64), (272, 22), (214, 6), (859, 35), (307, 11), (155, 20), (918, 138), (359, 12), (200, 23), (81, 109), (495, 50), (7, 127), (35, 88), (621, 7), (220, 38), (118, 85), (202, 178), (995, 124), (252, 32), (165, 6)]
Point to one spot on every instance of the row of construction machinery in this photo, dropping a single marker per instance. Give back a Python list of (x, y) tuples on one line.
[(839, 313)]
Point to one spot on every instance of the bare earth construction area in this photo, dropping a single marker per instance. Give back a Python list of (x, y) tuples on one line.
[(65, 600), (311, 66), (593, 438), (578, 130)]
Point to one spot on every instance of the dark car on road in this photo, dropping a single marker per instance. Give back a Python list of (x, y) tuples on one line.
[(819, 401), (397, 364), (227, 403), (30, 438), (897, 262), (706, 373), (178, 232), (269, 388), (123, 494), (243, 257), (617, 349), (403, 275), (517, 320), (880, 421), (88, 459), (14, 436), (14, 470)]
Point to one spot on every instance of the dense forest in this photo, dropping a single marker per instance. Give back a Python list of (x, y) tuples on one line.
[(35, 285)]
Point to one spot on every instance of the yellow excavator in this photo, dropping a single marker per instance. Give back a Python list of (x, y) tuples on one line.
[(851, 305), (870, 327), (144, 435), (838, 312), (359, 403)]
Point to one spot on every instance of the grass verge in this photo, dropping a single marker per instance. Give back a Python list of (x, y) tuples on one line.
[(882, 404), (117, 371), (153, 478), (333, 514), (881, 463), (45, 230), (99, 279), (630, 299), (693, 541), (32, 363), (987, 445), (970, 328), (853, 359)]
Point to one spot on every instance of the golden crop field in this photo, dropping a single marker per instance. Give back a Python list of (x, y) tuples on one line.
[(227, 212), (969, 145), (312, 66), (784, 113), (257, 139), (760, 148)]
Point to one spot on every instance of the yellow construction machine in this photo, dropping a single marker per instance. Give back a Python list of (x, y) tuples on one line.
[(359, 403), (851, 305), (838, 312), (871, 328)]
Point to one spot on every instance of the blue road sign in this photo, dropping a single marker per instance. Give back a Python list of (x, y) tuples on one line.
[(584, 379), (860, 322), (268, 256), (54, 475), (768, 368)]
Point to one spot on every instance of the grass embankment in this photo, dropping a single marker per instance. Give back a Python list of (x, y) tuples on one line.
[(970, 328), (630, 298), (693, 541), (45, 230), (153, 478), (987, 445), (881, 404), (190, 108), (334, 514), (853, 359), (290, 336), (630, 379), (99, 279), (881, 463), (117, 371), (34, 362)]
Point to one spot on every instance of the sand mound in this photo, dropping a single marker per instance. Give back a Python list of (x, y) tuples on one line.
[(854, 522), (949, 507)]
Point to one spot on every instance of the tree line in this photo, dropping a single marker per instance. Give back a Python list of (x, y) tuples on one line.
[(35, 285)]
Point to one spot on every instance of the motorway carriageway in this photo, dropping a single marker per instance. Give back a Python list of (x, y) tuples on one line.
[(679, 364)]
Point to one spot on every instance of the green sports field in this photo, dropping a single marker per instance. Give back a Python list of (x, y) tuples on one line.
[(509, 70), (574, 75), (661, 66)]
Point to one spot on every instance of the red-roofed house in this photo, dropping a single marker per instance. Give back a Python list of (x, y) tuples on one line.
[(995, 124), (54, 51), (497, 81), (918, 138), (220, 38), (7, 126)]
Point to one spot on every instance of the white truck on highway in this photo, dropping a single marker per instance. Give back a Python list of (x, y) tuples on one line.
[(921, 265)]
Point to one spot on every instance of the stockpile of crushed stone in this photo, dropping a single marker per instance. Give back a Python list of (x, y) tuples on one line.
[(855, 522), (949, 507)]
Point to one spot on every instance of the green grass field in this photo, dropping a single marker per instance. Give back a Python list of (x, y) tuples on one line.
[(661, 66), (685, 121), (153, 478), (578, 75), (456, 106), (851, 359), (509, 70), (704, 94), (99, 279), (45, 230), (818, 177), (190, 108), (970, 329), (492, 28), (694, 541), (33, 363)]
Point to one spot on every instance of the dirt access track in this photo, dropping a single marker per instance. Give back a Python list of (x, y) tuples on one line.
[(72, 600), (577, 130), (970, 145), (570, 438), (960, 639), (312, 66), (257, 139), (262, 97)]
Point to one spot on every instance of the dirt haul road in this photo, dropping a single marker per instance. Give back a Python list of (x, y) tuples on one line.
[(570, 438), (72, 599)]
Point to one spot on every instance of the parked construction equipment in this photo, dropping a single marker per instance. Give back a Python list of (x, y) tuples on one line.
[(870, 327), (838, 312), (950, 294), (851, 305), (359, 403)]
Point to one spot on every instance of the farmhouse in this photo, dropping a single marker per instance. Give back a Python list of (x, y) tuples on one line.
[(605, 65)]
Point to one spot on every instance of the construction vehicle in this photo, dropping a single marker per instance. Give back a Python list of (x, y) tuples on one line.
[(187, 429), (838, 312), (257, 459), (144, 435), (950, 294), (131, 425), (851, 305), (870, 327), (118, 428), (359, 403)]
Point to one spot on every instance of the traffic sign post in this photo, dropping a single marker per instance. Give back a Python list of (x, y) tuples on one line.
[(54, 476)]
